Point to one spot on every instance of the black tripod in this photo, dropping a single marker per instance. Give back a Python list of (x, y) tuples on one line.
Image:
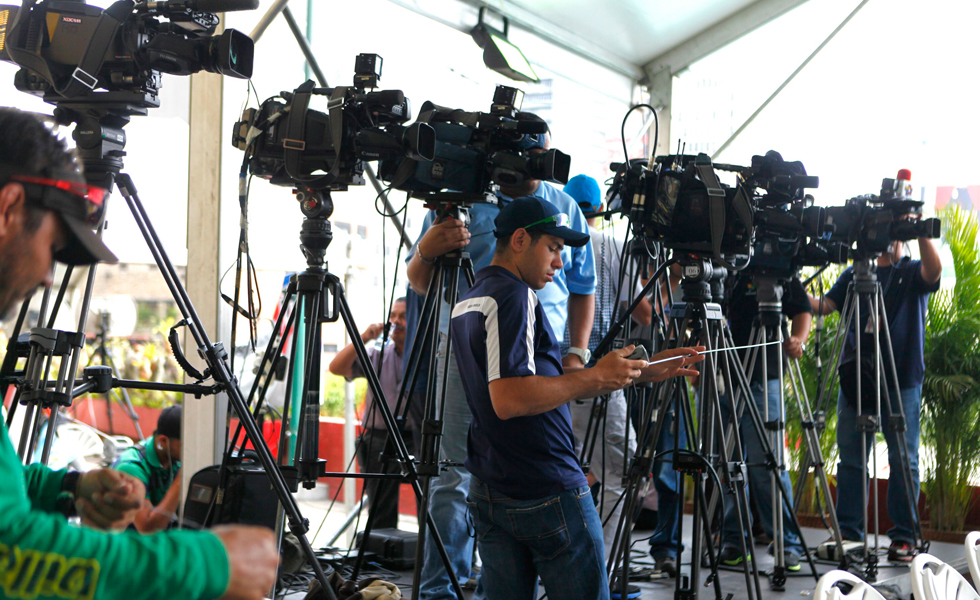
[(100, 141), (705, 321), (443, 287), (864, 293), (312, 298), (107, 359)]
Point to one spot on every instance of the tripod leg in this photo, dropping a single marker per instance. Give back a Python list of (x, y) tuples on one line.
[(812, 454), (221, 373), (898, 425)]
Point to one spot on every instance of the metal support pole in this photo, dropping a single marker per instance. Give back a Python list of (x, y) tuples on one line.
[(788, 80), (267, 19)]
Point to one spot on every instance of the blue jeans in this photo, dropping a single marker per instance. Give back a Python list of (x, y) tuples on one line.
[(447, 500), (557, 538), (666, 480), (850, 512), (760, 482)]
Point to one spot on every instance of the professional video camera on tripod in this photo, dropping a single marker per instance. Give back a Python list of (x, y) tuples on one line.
[(788, 237), (680, 204), (476, 154), (865, 364), (99, 68), (316, 154)]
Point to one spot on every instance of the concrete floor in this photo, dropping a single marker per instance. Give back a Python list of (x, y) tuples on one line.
[(892, 579)]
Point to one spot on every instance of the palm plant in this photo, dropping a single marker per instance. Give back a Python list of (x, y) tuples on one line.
[(951, 391)]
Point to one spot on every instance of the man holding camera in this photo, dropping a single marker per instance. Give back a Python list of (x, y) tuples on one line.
[(45, 209), (906, 286), (532, 508), (743, 314), (387, 360), (569, 299)]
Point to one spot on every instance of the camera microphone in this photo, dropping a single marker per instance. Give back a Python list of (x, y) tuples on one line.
[(219, 6)]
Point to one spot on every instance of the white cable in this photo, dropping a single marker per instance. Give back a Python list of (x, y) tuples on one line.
[(663, 360)]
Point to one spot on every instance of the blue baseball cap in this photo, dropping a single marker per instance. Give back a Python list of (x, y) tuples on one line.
[(535, 214), (585, 191)]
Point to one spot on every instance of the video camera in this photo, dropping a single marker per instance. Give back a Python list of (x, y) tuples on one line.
[(871, 223), (681, 203), (289, 144), (789, 227), (475, 150), (68, 49)]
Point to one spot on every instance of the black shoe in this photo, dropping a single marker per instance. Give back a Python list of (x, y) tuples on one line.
[(666, 565), (731, 556), (901, 552), (632, 591)]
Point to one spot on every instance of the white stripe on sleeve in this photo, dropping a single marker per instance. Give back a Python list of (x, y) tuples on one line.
[(532, 302), (488, 307)]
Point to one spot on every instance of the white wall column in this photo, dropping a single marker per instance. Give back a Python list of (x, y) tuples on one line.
[(203, 418)]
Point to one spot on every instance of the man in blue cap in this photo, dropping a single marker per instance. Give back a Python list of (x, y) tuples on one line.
[(532, 509), (567, 301)]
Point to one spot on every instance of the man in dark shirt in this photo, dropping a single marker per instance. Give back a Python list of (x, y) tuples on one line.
[(387, 361), (743, 310), (906, 285), (532, 509)]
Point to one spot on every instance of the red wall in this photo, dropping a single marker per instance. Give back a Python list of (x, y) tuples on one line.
[(94, 413)]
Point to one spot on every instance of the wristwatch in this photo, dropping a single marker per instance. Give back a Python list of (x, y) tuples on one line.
[(65, 502), (582, 353)]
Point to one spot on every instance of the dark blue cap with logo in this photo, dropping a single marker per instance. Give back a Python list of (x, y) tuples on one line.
[(535, 214)]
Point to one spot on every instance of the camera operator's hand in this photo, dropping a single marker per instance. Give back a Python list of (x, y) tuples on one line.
[(443, 237), (793, 346), (108, 499), (614, 371), (372, 332), (673, 368), (252, 560)]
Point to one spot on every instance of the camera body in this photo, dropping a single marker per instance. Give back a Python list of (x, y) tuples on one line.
[(790, 228), (869, 224), (680, 202), (68, 49), (292, 145), (476, 150)]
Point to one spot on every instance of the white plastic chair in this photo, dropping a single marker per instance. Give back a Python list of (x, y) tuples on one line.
[(860, 590), (973, 556), (932, 579)]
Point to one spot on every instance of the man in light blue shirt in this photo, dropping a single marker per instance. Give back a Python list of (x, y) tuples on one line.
[(568, 300)]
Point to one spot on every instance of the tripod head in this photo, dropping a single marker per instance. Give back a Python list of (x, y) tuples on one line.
[(99, 137), (702, 281), (315, 235), (454, 204), (769, 296), (865, 274)]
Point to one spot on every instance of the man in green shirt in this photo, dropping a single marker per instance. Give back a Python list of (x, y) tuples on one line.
[(156, 463), (46, 212)]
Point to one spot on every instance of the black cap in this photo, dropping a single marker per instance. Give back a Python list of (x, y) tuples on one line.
[(535, 214), (168, 423)]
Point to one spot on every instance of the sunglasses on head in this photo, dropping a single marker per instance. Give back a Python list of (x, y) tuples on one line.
[(93, 196), (560, 220)]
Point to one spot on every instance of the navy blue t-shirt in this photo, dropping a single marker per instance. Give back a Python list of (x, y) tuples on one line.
[(500, 330), (906, 297)]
